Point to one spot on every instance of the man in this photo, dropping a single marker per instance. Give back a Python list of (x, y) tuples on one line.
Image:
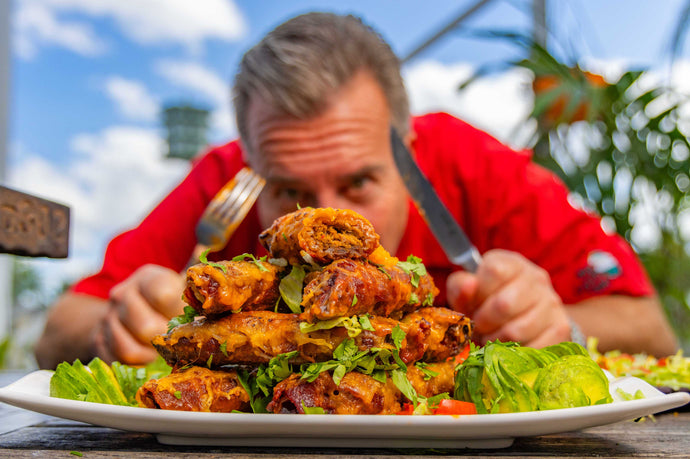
[(315, 100)]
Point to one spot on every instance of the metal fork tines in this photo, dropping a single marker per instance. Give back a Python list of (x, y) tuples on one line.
[(227, 209)]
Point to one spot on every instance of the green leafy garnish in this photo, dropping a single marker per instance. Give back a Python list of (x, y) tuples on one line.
[(209, 362), (423, 367), (186, 317), (224, 348), (354, 301), (177, 394), (203, 258), (253, 259), (291, 288), (397, 335), (414, 267), (428, 300), (414, 299), (312, 409), (366, 323), (353, 326)]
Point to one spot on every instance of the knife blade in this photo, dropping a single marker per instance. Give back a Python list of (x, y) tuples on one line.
[(453, 240)]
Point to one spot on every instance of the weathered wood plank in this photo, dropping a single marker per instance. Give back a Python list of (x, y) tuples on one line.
[(32, 226)]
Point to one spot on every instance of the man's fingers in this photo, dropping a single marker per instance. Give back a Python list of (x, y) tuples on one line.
[(122, 346), (461, 288), (498, 267), (137, 315), (162, 289)]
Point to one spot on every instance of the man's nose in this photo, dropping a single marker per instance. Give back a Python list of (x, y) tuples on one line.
[(331, 199)]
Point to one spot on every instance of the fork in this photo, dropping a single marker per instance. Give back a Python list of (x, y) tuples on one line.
[(226, 211)]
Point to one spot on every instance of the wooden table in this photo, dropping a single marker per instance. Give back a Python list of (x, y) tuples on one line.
[(27, 434)]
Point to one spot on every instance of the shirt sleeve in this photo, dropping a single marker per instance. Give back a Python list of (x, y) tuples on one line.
[(165, 236)]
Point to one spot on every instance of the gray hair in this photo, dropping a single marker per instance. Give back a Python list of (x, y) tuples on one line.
[(298, 65)]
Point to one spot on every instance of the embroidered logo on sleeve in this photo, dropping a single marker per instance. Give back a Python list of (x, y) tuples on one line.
[(601, 269)]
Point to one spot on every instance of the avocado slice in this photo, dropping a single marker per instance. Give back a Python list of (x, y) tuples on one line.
[(106, 380)]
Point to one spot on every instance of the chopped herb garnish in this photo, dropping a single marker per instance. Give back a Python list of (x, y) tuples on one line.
[(366, 323), (203, 258), (209, 362), (284, 237), (312, 409), (398, 335), (253, 259), (76, 453), (187, 316), (414, 299), (177, 394), (414, 267), (224, 348), (428, 300), (423, 367), (354, 300)]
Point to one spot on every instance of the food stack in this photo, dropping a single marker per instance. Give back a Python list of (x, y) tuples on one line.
[(329, 322)]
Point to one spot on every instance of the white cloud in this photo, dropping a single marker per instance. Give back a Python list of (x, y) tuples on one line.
[(496, 104), (131, 98), (146, 22), (36, 24), (195, 77), (116, 176)]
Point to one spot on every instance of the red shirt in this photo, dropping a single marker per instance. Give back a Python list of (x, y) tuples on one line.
[(497, 195)]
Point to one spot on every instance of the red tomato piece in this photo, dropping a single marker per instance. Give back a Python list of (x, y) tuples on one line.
[(449, 406)]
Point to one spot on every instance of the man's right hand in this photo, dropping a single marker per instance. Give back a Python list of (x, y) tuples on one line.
[(139, 309)]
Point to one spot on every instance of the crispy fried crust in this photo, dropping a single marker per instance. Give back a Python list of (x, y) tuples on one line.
[(257, 337), (357, 393), (323, 234), (195, 389), (347, 287), (230, 286)]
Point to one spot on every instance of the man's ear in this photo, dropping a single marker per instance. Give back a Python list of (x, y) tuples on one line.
[(409, 138)]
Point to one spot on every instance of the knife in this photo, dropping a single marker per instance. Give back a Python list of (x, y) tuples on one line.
[(453, 240)]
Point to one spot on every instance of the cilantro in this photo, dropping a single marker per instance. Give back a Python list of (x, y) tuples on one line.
[(414, 299), (398, 335), (284, 237), (428, 300), (414, 267), (209, 361), (224, 348), (365, 323), (291, 288), (203, 258), (253, 259), (298, 206), (383, 270), (256, 400), (428, 374), (188, 316), (76, 453), (177, 394), (405, 386), (354, 300), (312, 409)]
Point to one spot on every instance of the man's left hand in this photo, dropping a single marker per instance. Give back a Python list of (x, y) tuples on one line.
[(510, 298)]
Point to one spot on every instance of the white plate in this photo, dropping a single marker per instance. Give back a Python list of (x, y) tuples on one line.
[(239, 429)]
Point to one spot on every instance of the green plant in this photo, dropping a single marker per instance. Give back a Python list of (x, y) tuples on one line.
[(631, 155)]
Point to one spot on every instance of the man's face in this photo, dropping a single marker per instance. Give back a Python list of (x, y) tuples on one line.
[(341, 158)]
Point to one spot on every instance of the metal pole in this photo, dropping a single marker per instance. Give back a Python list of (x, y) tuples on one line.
[(447, 28), (539, 31), (5, 260)]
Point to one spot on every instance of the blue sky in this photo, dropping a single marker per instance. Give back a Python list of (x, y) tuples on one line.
[(90, 76)]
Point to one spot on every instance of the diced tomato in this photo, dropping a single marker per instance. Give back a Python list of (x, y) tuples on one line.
[(662, 362), (407, 409), (449, 406), (462, 356)]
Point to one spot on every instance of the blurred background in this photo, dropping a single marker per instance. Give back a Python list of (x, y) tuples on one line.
[(104, 102)]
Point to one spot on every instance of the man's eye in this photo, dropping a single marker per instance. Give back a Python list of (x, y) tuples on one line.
[(358, 182), (288, 193)]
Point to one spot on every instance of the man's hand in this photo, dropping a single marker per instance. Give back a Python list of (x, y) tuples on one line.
[(140, 308), (511, 299)]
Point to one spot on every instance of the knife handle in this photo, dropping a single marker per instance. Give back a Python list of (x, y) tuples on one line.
[(469, 260)]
